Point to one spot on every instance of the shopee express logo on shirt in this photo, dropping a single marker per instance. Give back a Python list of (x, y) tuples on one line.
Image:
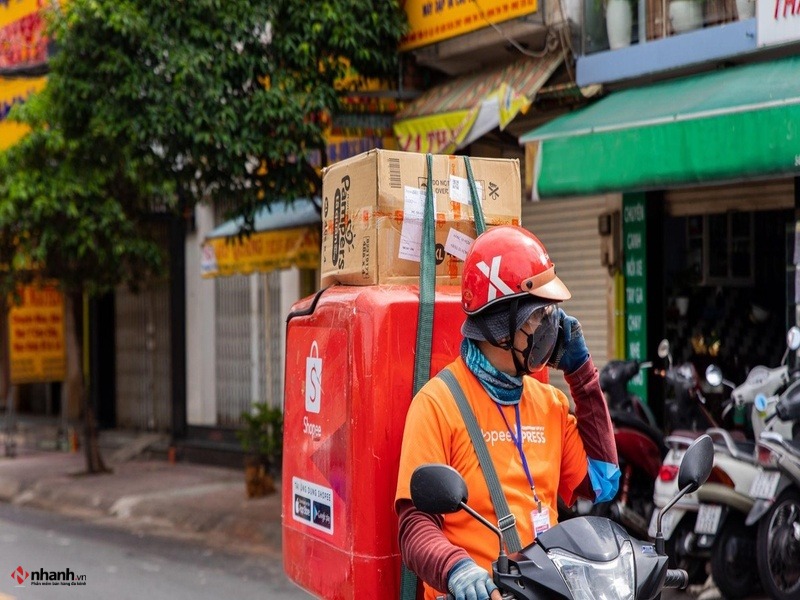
[(531, 434)]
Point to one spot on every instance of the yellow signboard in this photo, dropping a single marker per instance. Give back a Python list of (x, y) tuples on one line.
[(261, 251), (432, 21), (23, 38), (15, 91), (36, 336)]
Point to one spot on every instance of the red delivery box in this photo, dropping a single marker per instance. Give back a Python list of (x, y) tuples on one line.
[(349, 378)]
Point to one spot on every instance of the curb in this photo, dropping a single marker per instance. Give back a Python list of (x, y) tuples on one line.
[(181, 500)]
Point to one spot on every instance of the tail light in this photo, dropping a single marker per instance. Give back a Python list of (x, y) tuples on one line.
[(764, 456), (719, 476), (668, 472)]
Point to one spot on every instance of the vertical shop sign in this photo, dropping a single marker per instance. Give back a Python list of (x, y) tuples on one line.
[(36, 336), (634, 220)]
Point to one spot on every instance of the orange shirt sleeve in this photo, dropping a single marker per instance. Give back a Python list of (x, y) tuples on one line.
[(426, 437)]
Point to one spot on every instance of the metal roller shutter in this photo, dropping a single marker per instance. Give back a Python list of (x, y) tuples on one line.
[(568, 229), (143, 364)]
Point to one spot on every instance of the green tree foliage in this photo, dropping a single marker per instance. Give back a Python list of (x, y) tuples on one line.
[(156, 105), (210, 98)]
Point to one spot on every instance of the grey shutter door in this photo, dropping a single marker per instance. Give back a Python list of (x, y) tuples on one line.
[(143, 358), (568, 229)]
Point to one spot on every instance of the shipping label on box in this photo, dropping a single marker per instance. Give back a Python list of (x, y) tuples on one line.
[(373, 205)]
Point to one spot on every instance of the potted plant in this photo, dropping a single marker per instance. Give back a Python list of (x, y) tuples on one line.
[(262, 441)]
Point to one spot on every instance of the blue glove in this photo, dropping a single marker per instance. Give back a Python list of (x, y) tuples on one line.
[(467, 581), (570, 352)]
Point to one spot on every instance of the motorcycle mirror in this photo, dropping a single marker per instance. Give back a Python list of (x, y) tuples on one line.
[(793, 338), (663, 349), (438, 489), (696, 464), (713, 375)]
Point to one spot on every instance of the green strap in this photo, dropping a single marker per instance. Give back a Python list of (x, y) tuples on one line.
[(477, 209), (505, 519), (408, 584), (422, 356), (427, 287), (422, 360)]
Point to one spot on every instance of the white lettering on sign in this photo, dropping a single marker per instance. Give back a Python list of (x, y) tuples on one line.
[(634, 295), (633, 241), (634, 267), (634, 322), (312, 430), (634, 214), (635, 350)]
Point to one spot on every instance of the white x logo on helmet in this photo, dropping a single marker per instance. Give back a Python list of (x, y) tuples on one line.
[(495, 283)]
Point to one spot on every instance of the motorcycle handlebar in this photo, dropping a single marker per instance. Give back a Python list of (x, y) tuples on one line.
[(676, 579)]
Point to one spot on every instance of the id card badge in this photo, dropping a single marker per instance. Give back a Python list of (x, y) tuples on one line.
[(541, 520)]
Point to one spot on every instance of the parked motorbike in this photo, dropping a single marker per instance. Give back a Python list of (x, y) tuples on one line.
[(776, 488), (686, 408), (725, 500), (724, 503), (640, 448), (585, 557), (687, 419), (759, 392)]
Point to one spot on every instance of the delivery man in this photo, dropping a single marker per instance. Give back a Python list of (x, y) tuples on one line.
[(540, 450)]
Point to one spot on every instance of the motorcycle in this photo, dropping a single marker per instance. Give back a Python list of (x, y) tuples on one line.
[(585, 557), (724, 503), (640, 448), (686, 410), (776, 490), (687, 418)]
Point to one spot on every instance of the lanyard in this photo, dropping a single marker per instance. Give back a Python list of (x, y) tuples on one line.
[(518, 443)]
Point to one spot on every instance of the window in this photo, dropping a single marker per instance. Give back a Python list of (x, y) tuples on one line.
[(720, 248)]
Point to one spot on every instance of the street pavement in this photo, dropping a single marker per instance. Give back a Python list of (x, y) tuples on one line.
[(151, 496)]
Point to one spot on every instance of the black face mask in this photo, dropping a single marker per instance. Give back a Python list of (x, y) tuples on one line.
[(539, 346)]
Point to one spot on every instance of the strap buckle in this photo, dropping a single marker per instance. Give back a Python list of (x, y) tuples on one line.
[(506, 523)]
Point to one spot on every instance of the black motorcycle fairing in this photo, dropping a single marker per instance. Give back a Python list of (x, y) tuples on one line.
[(534, 576), (650, 569), (593, 538)]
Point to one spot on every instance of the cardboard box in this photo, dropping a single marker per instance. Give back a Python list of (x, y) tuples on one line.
[(372, 214)]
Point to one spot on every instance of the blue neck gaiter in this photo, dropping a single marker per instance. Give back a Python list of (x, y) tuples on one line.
[(502, 387)]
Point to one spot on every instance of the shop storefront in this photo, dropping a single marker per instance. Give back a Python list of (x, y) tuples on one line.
[(704, 167)]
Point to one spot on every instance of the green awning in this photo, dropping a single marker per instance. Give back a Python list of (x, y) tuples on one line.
[(731, 124)]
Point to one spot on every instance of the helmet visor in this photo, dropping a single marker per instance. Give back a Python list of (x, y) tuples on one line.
[(541, 331)]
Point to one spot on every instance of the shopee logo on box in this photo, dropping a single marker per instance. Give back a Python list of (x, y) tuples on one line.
[(313, 379)]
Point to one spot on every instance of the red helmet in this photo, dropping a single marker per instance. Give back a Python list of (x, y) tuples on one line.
[(506, 262)]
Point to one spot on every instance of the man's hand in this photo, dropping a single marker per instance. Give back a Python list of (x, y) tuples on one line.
[(467, 581), (570, 352)]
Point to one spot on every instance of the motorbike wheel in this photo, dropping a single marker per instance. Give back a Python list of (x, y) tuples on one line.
[(778, 547), (679, 557), (732, 559)]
